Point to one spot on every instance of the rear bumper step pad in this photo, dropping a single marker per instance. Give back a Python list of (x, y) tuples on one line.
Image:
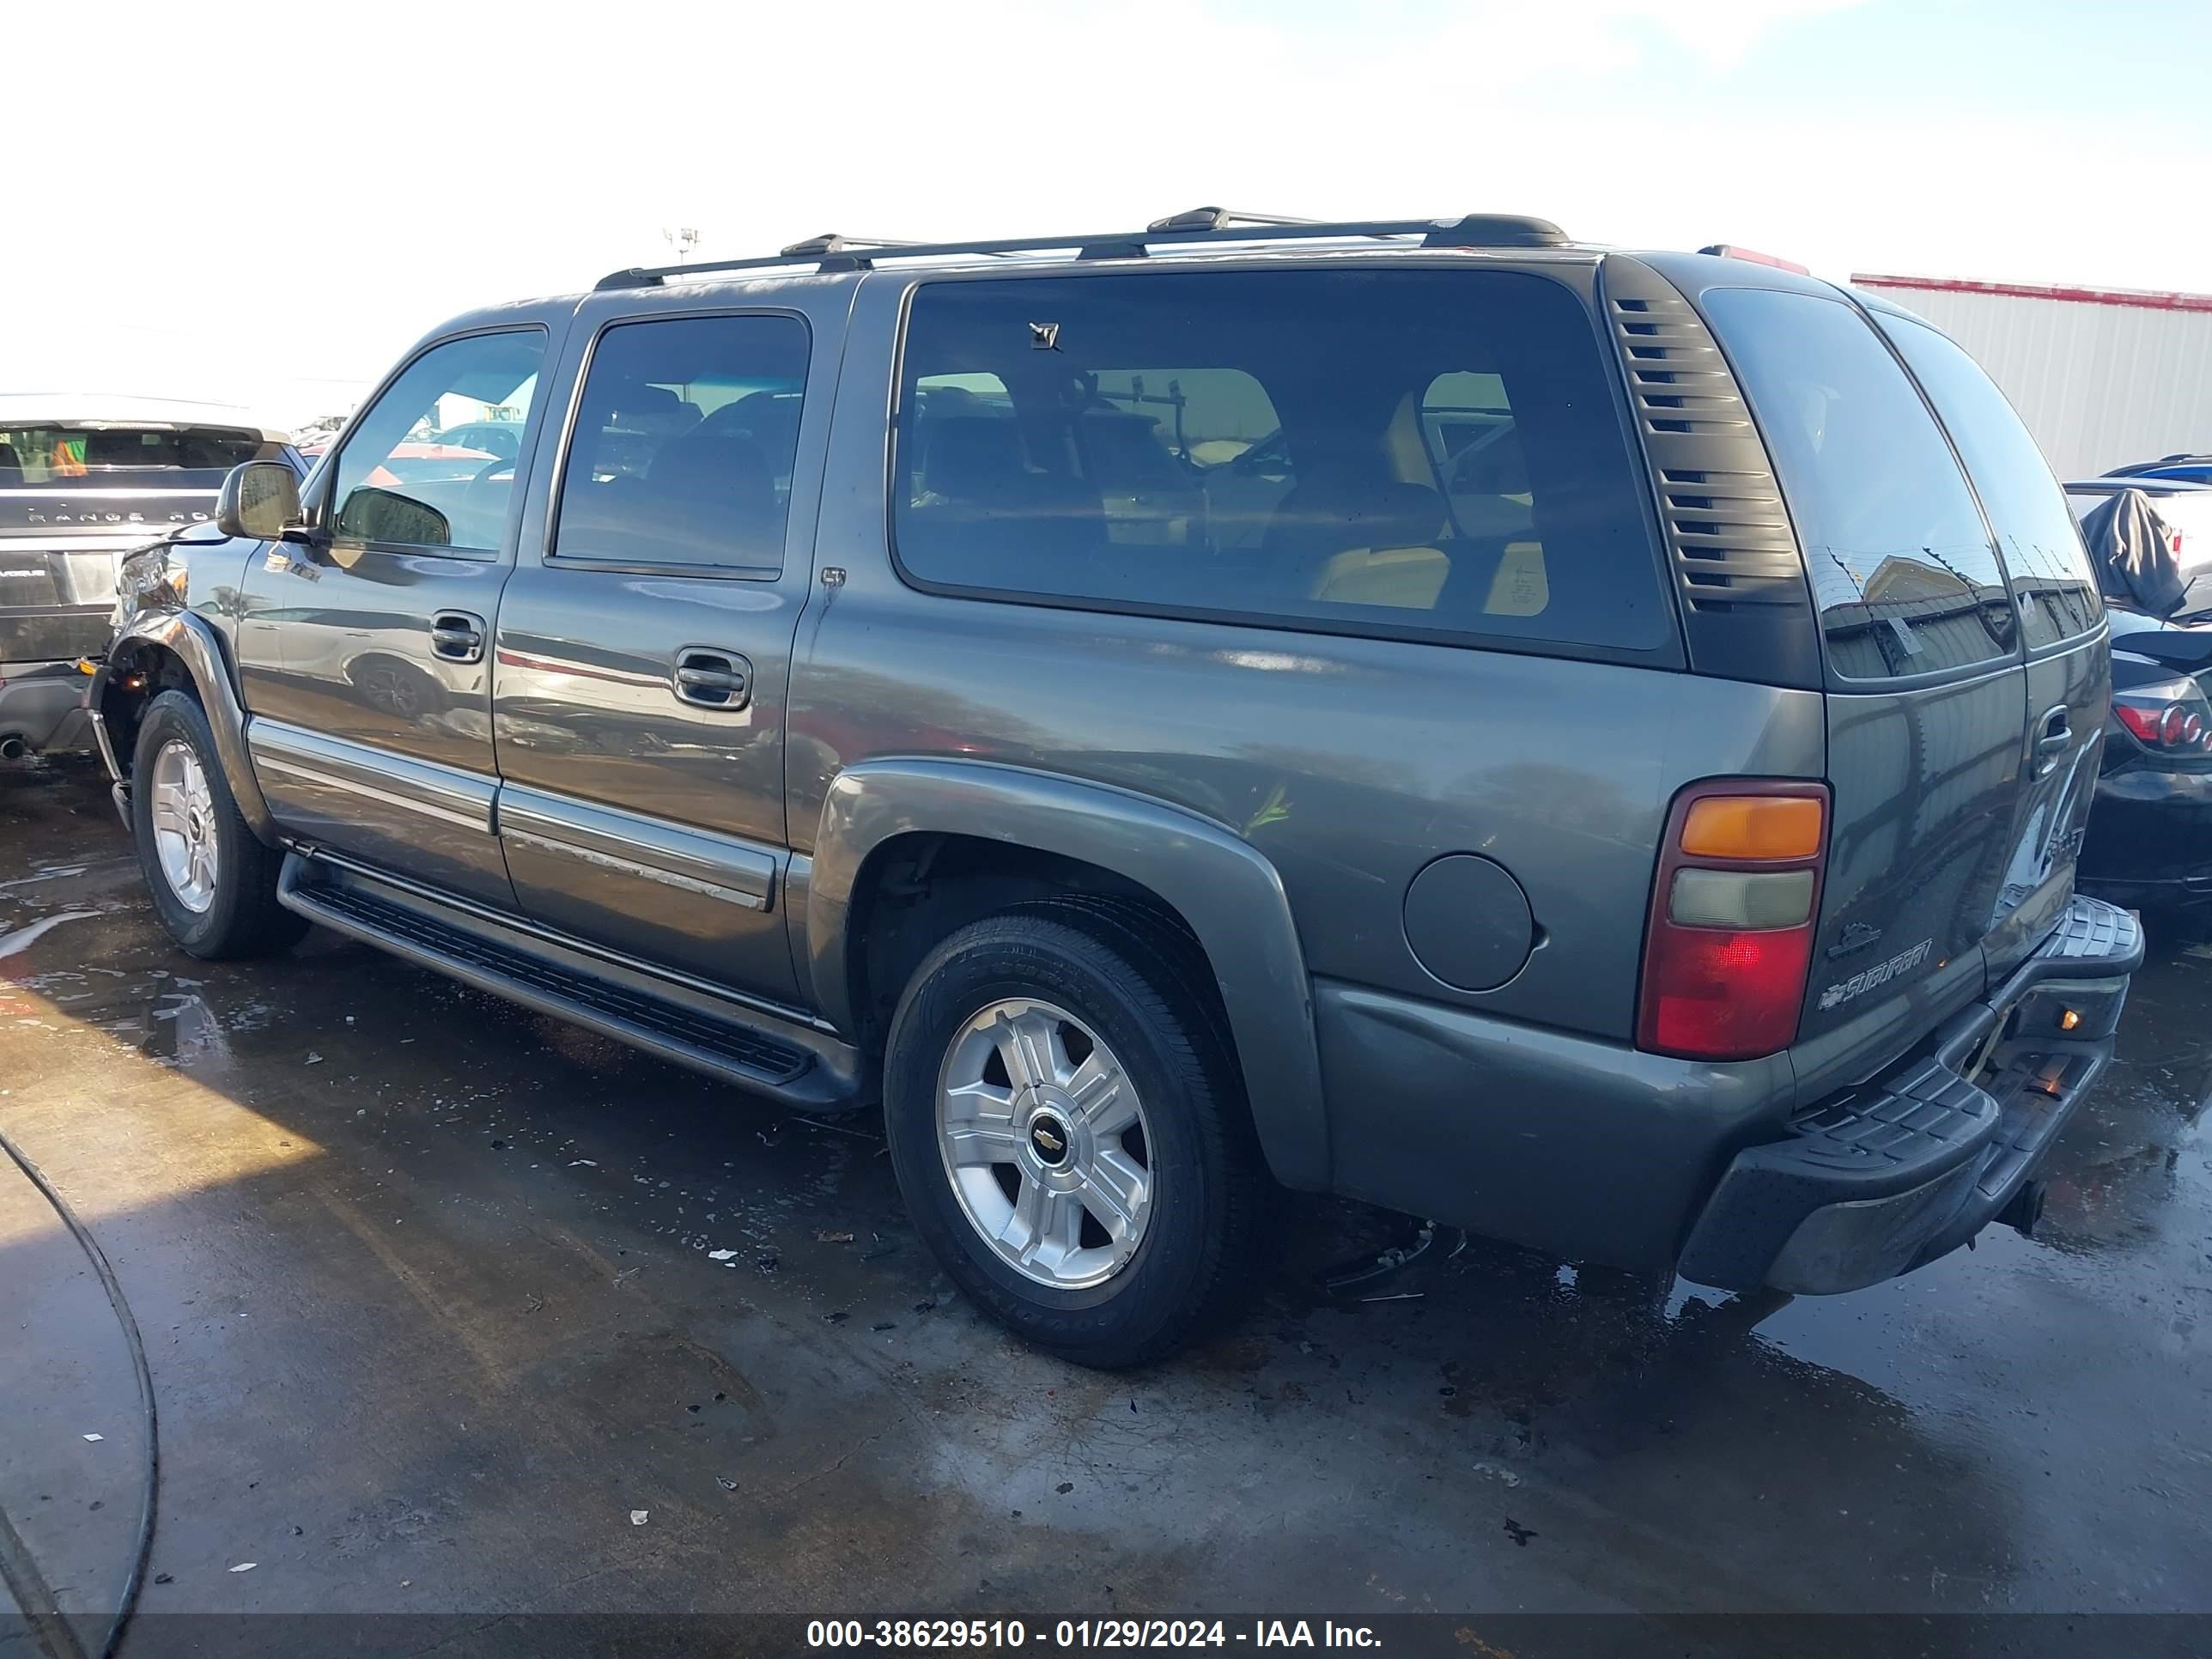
[(1885, 1178)]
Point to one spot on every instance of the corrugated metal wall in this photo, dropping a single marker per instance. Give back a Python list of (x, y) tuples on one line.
[(2099, 385)]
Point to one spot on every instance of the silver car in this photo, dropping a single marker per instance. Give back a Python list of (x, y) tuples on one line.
[(84, 482)]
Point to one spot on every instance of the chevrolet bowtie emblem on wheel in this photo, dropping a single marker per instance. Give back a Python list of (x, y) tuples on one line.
[(1048, 1141)]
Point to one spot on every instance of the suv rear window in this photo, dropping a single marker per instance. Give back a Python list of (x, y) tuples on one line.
[(1900, 561), (2049, 570), (1430, 453), (96, 458)]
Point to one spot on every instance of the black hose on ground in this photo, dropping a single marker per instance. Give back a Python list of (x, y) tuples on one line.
[(32, 1595)]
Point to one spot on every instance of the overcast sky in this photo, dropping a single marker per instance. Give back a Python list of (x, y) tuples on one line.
[(268, 204)]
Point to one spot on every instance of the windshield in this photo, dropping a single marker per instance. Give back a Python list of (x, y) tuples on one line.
[(112, 457)]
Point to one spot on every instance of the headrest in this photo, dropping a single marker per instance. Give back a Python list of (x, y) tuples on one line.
[(114, 449), (652, 408), (1404, 515), (705, 467), (973, 456), (1496, 468)]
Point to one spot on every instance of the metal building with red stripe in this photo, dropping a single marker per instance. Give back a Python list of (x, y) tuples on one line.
[(2102, 376)]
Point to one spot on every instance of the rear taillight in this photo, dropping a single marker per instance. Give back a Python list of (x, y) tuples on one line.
[(1732, 919), (2170, 718)]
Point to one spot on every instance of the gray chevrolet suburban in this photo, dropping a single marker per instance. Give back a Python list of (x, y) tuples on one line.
[(1589, 746)]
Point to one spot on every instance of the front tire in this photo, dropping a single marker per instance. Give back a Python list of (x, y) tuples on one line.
[(1068, 1131), (213, 881)]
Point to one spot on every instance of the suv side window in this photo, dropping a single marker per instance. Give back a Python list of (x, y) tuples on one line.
[(396, 484), (1427, 452), (2050, 573), (1901, 561), (684, 443)]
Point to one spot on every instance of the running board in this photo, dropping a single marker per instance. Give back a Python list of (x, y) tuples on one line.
[(795, 1063)]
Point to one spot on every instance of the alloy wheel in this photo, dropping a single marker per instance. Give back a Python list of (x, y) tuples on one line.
[(1044, 1139), (184, 826)]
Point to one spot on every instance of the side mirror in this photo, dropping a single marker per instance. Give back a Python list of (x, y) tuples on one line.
[(385, 515), (259, 500)]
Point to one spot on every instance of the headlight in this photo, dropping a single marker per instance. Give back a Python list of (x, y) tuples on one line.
[(148, 577)]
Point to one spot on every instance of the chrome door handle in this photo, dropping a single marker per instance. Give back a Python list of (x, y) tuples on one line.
[(456, 636), (711, 677)]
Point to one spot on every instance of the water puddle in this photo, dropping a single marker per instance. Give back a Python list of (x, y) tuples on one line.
[(182, 1030), (22, 938), (52, 873)]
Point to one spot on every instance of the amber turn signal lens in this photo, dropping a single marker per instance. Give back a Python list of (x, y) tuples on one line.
[(1752, 827)]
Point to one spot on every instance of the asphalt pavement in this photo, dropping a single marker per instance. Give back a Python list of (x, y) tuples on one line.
[(451, 1310)]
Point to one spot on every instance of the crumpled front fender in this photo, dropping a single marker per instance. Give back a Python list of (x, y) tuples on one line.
[(193, 642)]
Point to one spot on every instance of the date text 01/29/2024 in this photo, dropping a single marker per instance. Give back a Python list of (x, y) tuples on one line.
[(1086, 1633)]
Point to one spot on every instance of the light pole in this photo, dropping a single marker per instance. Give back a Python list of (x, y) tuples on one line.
[(683, 241)]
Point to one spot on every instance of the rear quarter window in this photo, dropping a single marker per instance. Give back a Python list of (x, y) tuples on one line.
[(1429, 452), (1899, 561), (2043, 552)]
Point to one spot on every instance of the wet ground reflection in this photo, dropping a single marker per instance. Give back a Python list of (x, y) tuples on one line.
[(453, 1289)]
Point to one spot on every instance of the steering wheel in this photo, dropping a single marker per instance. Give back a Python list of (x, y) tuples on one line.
[(484, 475)]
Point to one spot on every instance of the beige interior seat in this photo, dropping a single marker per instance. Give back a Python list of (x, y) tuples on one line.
[(1390, 526)]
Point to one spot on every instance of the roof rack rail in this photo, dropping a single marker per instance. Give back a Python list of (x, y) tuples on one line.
[(833, 253), (1215, 218), (830, 241)]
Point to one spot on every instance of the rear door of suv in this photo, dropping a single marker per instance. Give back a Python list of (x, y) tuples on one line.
[(1960, 770), (2069, 674), (644, 645)]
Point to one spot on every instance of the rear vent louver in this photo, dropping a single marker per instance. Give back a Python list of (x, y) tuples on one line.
[(1728, 536)]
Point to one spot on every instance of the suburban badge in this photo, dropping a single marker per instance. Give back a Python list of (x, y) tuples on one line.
[(1880, 974)]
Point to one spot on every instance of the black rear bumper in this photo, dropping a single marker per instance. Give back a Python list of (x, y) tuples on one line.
[(42, 707), (2149, 840), (54, 633), (1885, 1178)]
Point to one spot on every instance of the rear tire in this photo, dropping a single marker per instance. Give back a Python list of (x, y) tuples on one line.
[(213, 881), (1069, 1132)]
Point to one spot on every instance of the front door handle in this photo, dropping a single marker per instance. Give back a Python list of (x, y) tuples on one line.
[(711, 677), (456, 636)]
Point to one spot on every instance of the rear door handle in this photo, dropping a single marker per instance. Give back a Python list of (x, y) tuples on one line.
[(711, 677), (2055, 738), (456, 636)]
